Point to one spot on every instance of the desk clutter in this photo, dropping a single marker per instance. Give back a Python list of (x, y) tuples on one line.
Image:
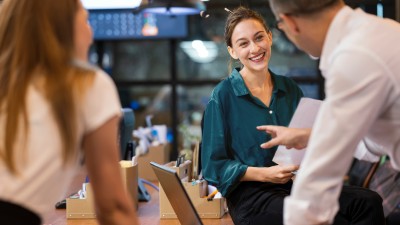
[(81, 206), (207, 201), (204, 197)]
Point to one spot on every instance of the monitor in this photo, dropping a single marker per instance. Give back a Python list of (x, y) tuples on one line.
[(118, 20), (123, 24), (126, 127)]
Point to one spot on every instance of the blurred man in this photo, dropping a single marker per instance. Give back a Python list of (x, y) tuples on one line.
[(359, 58)]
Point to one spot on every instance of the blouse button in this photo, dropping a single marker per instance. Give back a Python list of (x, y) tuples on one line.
[(270, 111)]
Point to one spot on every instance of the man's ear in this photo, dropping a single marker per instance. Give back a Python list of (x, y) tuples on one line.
[(232, 53), (290, 23)]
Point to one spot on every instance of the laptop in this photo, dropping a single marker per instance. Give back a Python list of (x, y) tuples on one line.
[(176, 194)]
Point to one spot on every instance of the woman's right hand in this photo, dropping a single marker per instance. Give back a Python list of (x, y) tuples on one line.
[(279, 174), (275, 174)]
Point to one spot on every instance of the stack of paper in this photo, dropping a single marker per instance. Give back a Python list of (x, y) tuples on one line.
[(303, 117)]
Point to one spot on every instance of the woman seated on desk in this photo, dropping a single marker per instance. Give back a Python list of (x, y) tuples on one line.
[(232, 158)]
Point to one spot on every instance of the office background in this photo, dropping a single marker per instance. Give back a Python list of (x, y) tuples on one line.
[(171, 75)]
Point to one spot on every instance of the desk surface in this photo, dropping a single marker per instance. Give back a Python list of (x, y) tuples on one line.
[(148, 212)]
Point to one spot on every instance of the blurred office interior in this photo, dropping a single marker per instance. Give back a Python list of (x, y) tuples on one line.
[(166, 65)]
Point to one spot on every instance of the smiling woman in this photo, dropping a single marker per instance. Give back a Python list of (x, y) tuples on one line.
[(252, 95)]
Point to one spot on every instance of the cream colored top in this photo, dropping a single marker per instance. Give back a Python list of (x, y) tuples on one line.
[(44, 180)]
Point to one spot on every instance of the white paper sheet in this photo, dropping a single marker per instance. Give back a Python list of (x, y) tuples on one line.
[(303, 117)]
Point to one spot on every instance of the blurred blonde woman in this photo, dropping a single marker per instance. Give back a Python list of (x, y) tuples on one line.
[(55, 112)]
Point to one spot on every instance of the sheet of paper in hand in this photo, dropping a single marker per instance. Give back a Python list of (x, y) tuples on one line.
[(303, 117)]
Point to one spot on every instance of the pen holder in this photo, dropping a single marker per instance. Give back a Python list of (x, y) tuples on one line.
[(196, 190), (184, 170), (80, 208), (129, 174)]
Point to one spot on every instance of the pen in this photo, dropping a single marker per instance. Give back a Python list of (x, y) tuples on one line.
[(212, 195)]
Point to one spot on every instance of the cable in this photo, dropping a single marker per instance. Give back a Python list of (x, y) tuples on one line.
[(150, 184)]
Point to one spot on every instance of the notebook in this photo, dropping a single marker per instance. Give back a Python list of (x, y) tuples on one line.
[(176, 194)]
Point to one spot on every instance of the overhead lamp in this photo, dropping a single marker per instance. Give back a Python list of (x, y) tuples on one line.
[(107, 4), (200, 51), (172, 7)]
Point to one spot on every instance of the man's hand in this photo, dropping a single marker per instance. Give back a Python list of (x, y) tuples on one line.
[(290, 137)]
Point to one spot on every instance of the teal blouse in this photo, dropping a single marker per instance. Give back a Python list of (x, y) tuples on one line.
[(230, 141)]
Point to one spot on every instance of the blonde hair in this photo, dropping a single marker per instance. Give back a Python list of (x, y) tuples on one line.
[(37, 44)]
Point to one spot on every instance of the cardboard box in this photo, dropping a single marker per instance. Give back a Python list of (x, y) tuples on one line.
[(84, 208), (81, 208), (196, 191), (129, 174), (158, 154)]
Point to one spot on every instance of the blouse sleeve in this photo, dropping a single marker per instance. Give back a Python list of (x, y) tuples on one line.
[(218, 165)]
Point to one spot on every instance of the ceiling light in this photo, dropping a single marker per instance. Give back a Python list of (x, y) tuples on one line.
[(172, 7), (200, 51)]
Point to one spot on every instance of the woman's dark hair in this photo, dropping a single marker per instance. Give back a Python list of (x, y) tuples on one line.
[(238, 15), (235, 17)]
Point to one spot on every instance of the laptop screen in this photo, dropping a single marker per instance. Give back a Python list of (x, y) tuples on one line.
[(176, 194)]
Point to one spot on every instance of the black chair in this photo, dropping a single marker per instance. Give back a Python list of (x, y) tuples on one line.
[(361, 172)]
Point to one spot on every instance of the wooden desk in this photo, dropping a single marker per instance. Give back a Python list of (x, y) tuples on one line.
[(148, 212)]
